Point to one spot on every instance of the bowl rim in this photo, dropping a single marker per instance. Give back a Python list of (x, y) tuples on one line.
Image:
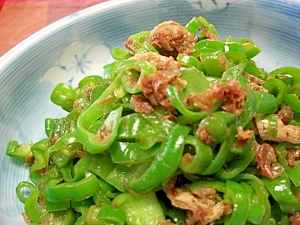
[(20, 48)]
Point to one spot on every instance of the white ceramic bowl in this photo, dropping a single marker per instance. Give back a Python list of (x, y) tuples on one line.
[(80, 44)]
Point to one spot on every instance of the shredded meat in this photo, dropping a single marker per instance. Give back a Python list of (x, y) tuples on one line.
[(243, 136), (154, 85), (171, 38), (204, 136), (253, 79), (104, 132), (287, 133), (295, 218), (131, 46), (141, 105), (293, 157), (285, 114), (267, 161), (202, 205), (231, 94), (255, 83), (208, 34)]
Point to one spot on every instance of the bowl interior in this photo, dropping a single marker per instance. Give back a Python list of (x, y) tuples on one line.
[(80, 44)]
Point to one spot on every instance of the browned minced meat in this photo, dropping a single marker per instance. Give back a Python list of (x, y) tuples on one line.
[(285, 114), (243, 136), (295, 218), (202, 204), (131, 46), (154, 85), (231, 94), (171, 38), (255, 83), (208, 34), (141, 105), (267, 161), (285, 133), (204, 136), (293, 157)]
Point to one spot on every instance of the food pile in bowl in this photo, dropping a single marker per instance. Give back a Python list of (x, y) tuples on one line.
[(182, 128)]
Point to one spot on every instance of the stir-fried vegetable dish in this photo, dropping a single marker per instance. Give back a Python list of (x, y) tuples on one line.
[(182, 128)]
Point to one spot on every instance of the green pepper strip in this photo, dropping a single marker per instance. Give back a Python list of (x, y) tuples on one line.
[(257, 217), (293, 101), (174, 99), (254, 70), (65, 217), (280, 189), (235, 73), (215, 63), (199, 22), (236, 195), (63, 95), (57, 206), (33, 209), (265, 103), (82, 207), (236, 167), (63, 141), (140, 209), (20, 186), (250, 108), (196, 163), (222, 154), (190, 61), (167, 160), (105, 214), (218, 185), (145, 129), (293, 173), (75, 173), (103, 105), (75, 191), (131, 153), (277, 88), (14, 149), (216, 124), (251, 48)]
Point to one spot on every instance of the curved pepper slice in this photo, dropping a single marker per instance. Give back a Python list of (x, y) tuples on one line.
[(280, 189), (174, 99), (140, 209), (236, 195), (96, 143), (165, 163), (221, 156), (200, 160), (75, 191)]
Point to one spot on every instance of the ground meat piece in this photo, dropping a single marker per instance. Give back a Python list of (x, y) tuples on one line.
[(208, 34), (166, 64), (204, 136), (141, 105), (154, 85), (256, 87), (202, 204), (171, 38), (285, 114), (293, 157), (295, 218), (243, 136), (287, 133), (131, 46), (253, 79), (267, 161), (255, 83), (231, 94)]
